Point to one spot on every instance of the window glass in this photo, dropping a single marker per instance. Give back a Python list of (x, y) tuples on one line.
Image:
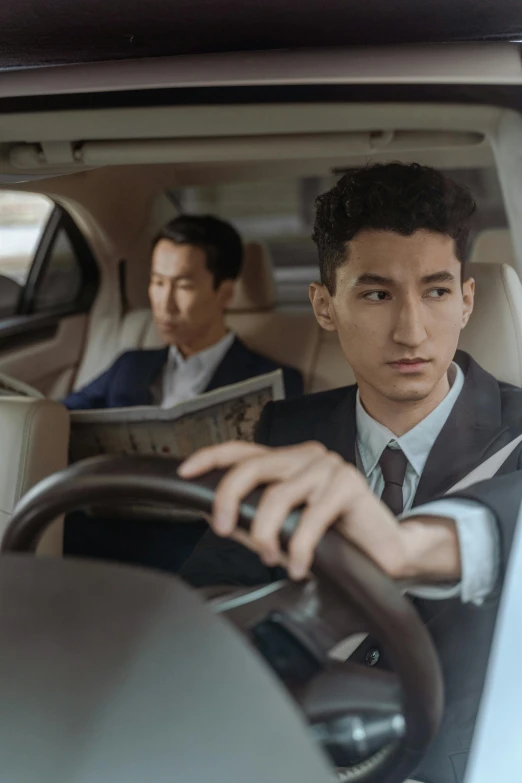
[(23, 217), (61, 283)]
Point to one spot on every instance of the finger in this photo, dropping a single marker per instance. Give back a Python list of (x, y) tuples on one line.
[(343, 489), (243, 538), (221, 456), (280, 499), (271, 465)]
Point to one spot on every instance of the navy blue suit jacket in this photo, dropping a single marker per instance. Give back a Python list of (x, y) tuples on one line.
[(128, 382)]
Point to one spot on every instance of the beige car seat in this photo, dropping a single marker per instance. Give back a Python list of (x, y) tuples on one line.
[(34, 437)]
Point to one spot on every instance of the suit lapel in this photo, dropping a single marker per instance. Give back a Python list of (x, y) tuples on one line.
[(236, 366), (472, 432), (337, 432), (150, 365)]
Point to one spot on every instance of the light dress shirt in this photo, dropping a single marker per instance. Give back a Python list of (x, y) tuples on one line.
[(182, 379), (476, 526)]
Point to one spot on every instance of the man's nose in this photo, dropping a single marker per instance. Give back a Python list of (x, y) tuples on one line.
[(409, 328), (171, 305)]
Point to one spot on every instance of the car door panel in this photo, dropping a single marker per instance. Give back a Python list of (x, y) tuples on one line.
[(50, 356)]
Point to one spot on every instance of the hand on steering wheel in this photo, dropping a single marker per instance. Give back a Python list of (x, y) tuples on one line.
[(330, 492), (349, 593)]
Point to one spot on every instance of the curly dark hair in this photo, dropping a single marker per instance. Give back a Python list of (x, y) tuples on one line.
[(389, 197)]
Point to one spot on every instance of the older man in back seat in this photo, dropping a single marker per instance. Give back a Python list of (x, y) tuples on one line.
[(196, 261)]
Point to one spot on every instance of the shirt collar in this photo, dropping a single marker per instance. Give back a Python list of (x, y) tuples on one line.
[(211, 356), (372, 437)]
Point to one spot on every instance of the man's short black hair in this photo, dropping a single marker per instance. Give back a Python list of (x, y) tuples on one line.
[(219, 239), (389, 197)]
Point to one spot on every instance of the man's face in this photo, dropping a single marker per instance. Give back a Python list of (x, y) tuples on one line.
[(398, 308), (186, 306)]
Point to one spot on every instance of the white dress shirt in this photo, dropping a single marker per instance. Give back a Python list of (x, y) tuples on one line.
[(476, 526), (183, 378)]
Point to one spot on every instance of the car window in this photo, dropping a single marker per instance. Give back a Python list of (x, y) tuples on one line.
[(23, 217), (280, 213), (61, 282), (46, 265)]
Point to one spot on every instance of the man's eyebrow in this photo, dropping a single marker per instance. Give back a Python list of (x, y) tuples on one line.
[(438, 277), (371, 279), (174, 279)]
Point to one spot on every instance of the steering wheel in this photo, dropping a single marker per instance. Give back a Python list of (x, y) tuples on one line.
[(384, 721)]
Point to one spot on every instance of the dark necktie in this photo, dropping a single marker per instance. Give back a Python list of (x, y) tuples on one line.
[(393, 464)]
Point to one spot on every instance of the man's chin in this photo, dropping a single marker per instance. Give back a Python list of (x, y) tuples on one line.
[(412, 395), (169, 336), (409, 390)]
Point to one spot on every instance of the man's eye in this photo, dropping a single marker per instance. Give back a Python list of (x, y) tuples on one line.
[(376, 296), (437, 293)]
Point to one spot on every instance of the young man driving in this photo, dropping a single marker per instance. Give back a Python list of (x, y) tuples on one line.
[(391, 241)]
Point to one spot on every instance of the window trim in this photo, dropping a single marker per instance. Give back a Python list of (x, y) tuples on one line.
[(27, 327), (60, 220), (42, 252)]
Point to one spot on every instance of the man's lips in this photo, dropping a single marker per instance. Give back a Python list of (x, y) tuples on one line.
[(409, 365), (166, 324)]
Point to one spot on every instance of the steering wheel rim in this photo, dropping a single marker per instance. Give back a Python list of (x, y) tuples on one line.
[(339, 567)]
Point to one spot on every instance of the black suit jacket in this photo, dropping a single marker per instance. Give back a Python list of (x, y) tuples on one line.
[(486, 416), (128, 382)]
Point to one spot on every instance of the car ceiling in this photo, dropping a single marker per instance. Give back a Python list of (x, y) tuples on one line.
[(50, 32)]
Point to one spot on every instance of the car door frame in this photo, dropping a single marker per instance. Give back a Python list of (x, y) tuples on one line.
[(26, 327)]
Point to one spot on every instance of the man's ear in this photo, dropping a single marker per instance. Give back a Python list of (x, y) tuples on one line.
[(468, 298), (226, 293), (320, 298)]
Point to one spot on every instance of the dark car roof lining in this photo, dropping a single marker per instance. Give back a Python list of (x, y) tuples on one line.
[(52, 32), (506, 96)]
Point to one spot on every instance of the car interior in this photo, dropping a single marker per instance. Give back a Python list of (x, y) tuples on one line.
[(83, 220), (83, 193)]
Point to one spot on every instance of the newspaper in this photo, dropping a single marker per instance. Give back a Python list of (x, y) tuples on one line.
[(228, 413)]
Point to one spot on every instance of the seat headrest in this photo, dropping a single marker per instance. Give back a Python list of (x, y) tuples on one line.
[(493, 246), (493, 336), (255, 288)]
